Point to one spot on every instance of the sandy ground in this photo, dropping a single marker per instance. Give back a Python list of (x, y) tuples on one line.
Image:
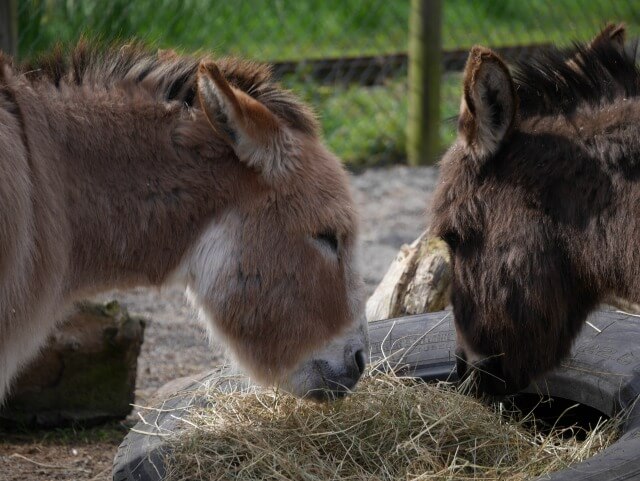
[(393, 205)]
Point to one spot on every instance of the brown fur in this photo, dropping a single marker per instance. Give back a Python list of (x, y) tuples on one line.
[(541, 211), (112, 176)]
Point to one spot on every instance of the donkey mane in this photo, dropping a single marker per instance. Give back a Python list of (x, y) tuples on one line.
[(163, 74), (557, 82)]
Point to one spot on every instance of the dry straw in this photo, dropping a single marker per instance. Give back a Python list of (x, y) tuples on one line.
[(392, 428)]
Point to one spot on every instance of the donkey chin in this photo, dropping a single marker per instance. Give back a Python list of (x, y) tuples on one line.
[(332, 372)]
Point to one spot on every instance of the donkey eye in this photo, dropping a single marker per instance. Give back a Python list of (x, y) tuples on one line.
[(453, 239), (328, 238)]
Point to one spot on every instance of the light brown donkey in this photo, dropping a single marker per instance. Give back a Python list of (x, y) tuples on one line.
[(122, 167)]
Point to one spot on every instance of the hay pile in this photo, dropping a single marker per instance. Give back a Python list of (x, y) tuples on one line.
[(391, 429)]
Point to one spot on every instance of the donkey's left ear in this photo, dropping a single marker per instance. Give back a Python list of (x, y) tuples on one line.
[(253, 131), (489, 103)]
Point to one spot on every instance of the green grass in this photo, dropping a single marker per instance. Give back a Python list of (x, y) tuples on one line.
[(366, 126), (267, 30), (363, 125), (513, 22), (450, 93), (294, 29)]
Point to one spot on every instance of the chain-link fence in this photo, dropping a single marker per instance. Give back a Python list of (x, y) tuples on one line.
[(346, 58)]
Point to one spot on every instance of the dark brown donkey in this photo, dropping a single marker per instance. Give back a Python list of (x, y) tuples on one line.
[(539, 201), (130, 167)]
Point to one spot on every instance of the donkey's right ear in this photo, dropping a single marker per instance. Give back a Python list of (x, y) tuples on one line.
[(489, 103), (254, 132), (613, 34)]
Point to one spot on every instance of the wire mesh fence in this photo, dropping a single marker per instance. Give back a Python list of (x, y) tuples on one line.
[(348, 59)]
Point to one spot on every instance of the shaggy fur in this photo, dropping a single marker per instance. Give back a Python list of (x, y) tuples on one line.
[(541, 208), (165, 75), (111, 175)]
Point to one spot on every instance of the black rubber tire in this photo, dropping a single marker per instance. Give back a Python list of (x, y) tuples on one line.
[(142, 453), (603, 372)]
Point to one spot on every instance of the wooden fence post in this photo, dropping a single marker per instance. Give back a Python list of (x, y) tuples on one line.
[(9, 26), (425, 75)]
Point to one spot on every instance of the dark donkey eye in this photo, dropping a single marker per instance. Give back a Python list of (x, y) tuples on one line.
[(329, 238), (452, 238)]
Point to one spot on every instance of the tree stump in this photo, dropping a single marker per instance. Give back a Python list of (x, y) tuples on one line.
[(86, 373), (417, 281)]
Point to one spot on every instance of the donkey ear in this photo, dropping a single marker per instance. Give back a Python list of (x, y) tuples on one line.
[(489, 104), (613, 34), (251, 129)]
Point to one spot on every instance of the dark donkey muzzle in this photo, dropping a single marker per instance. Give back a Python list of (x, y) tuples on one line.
[(489, 376), (337, 384)]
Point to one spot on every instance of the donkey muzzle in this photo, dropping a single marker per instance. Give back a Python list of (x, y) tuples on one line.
[(488, 376), (337, 383), (325, 379)]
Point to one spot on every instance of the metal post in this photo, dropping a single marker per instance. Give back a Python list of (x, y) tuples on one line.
[(425, 75), (9, 27)]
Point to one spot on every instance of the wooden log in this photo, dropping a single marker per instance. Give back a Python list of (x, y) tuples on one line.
[(417, 281), (9, 27), (86, 373)]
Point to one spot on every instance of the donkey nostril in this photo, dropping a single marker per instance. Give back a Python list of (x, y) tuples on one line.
[(360, 360)]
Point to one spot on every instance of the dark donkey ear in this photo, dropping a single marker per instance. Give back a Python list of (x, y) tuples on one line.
[(251, 129), (489, 103), (613, 34)]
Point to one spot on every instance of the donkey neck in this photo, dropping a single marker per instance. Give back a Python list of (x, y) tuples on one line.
[(603, 187), (141, 181)]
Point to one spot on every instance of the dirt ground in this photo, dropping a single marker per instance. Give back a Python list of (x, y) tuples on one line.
[(60, 455), (393, 205)]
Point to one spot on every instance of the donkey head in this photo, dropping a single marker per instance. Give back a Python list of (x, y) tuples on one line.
[(511, 204), (275, 275)]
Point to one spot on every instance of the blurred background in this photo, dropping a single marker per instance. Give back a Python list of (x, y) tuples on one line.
[(346, 58), (384, 77)]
